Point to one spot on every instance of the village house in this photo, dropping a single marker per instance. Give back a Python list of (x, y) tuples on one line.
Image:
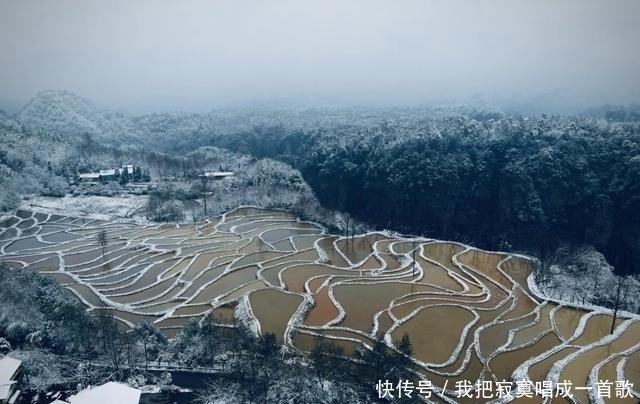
[(216, 175), (9, 374), (109, 393), (107, 174)]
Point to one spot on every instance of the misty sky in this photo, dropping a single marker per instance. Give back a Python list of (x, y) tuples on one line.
[(195, 55)]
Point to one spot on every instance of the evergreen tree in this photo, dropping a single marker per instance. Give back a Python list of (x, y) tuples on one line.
[(124, 176)]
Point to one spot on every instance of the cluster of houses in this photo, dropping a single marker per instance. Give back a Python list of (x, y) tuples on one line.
[(216, 175), (129, 172), (113, 174), (106, 175), (109, 393)]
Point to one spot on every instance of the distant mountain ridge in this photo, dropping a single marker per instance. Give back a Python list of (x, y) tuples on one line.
[(63, 115)]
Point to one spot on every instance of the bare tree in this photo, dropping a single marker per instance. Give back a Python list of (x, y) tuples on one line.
[(413, 253), (621, 292), (103, 241), (205, 189)]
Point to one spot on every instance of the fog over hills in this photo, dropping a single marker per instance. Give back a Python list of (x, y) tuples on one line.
[(65, 116), (197, 55)]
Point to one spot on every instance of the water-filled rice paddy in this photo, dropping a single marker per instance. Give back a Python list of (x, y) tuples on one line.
[(470, 313)]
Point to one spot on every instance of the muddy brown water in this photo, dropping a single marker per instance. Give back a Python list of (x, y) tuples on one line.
[(223, 314), (486, 264), (303, 242), (158, 289), (295, 277), (505, 363), (255, 245), (524, 305), (578, 370), (385, 322), (190, 274), (539, 371), (156, 308), (256, 257), (192, 310), (196, 269), (333, 256), (496, 335), (242, 291), (125, 315), (323, 311), (485, 317), (532, 331), (170, 296), (357, 249), (262, 224), (304, 256), (270, 274), (519, 269), (275, 235), (307, 342), (113, 279), (437, 275), (632, 369), (148, 278), (205, 277), (229, 281), (284, 245), (87, 294), (597, 327), (273, 309), (435, 331)]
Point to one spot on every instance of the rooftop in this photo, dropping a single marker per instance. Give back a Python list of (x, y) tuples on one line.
[(8, 368), (217, 174), (109, 393)]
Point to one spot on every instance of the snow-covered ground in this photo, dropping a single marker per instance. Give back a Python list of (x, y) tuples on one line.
[(114, 208), (584, 277)]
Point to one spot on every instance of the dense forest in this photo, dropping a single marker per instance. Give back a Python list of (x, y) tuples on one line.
[(529, 184), (469, 173)]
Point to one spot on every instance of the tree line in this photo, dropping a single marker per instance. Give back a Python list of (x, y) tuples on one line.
[(511, 183)]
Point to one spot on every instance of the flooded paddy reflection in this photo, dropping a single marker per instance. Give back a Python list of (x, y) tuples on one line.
[(469, 313)]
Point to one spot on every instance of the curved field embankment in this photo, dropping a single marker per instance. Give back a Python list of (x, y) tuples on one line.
[(469, 313)]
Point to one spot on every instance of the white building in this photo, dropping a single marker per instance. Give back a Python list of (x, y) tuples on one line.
[(89, 176), (217, 175), (110, 393), (107, 174), (9, 372)]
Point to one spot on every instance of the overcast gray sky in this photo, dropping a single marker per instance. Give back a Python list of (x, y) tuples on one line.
[(195, 55)]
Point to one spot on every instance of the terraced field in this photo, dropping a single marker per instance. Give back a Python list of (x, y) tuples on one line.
[(469, 313)]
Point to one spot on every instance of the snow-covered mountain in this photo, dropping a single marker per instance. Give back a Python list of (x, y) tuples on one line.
[(64, 116)]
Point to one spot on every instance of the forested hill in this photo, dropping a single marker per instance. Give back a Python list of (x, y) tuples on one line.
[(508, 183), (473, 174)]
